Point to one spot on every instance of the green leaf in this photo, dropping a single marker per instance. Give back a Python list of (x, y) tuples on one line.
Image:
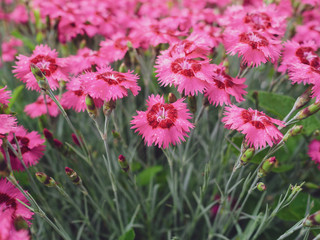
[(148, 174), (277, 104), (15, 94), (310, 124), (129, 235)]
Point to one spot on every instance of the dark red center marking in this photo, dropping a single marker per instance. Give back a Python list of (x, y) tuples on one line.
[(162, 115)]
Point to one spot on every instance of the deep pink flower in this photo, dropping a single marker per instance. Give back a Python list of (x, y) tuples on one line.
[(259, 129), (48, 62), (75, 97), (39, 107), (254, 47), (31, 145), (162, 123), (107, 84), (11, 209), (8, 123), (223, 86), (314, 151)]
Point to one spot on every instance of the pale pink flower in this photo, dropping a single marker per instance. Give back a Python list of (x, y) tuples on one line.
[(254, 47), (48, 62), (8, 123), (107, 84), (31, 145), (9, 49), (10, 209), (163, 124), (259, 129), (314, 151), (223, 86), (75, 97), (39, 107)]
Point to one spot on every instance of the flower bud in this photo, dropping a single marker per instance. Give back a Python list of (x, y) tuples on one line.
[(73, 176), (57, 143), (4, 170), (267, 166), (40, 77), (108, 107), (45, 179), (303, 99), (75, 139), (47, 134), (172, 98), (20, 223), (311, 185), (115, 134), (247, 156), (192, 103), (205, 101), (123, 163), (313, 220), (91, 107), (308, 111), (261, 186), (295, 130), (296, 188), (122, 68)]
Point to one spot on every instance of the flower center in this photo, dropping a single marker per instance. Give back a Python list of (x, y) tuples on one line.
[(254, 39), (222, 80), (46, 64), (257, 119), (258, 20), (306, 54), (111, 78), (186, 67), (23, 143), (8, 201), (162, 115)]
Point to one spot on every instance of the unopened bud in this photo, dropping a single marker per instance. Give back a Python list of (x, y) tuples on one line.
[(261, 186), (308, 111), (313, 220), (247, 156), (108, 107), (296, 188), (267, 166), (192, 103), (172, 98), (73, 176), (123, 163), (115, 134), (45, 179), (122, 68), (57, 143), (311, 185), (205, 101), (295, 130), (47, 134), (91, 107), (304, 98), (20, 223), (40, 77), (4, 170), (75, 139)]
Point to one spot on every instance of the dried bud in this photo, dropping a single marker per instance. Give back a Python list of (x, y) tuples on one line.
[(247, 156), (4, 170), (308, 111), (40, 77), (91, 107), (192, 103), (261, 186), (123, 163), (295, 130), (115, 134), (205, 101), (47, 134), (73, 176), (313, 220), (108, 107), (75, 139), (267, 166), (172, 98), (45, 179), (303, 99)]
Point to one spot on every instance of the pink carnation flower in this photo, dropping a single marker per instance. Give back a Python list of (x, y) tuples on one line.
[(39, 107), (31, 145), (223, 86), (163, 124), (9, 49), (314, 151), (8, 123), (48, 62), (177, 66), (107, 84), (10, 209), (75, 97), (259, 129), (4, 96), (254, 47)]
